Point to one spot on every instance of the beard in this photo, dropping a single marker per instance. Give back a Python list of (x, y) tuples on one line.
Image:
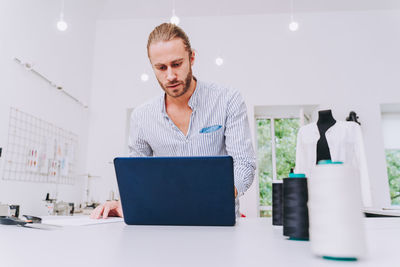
[(178, 92)]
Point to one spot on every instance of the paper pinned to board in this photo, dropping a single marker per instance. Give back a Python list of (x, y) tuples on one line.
[(77, 220)]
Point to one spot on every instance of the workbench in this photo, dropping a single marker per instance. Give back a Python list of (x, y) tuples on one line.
[(252, 242)]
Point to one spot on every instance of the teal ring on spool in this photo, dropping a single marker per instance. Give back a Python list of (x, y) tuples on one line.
[(338, 258), (297, 175), (328, 161)]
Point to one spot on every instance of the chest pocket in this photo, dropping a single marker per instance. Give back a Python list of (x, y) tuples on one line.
[(211, 140), (210, 129)]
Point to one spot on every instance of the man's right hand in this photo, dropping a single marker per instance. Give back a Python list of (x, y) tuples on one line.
[(108, 209)]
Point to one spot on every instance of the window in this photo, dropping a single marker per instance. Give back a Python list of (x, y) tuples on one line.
[(393, 169), (391, 133), (276, 136), (276, 151)]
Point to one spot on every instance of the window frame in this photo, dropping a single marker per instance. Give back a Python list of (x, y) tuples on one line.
[(304, 118), (390, 116)]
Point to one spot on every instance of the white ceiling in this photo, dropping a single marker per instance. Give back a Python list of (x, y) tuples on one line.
[(130, 9)]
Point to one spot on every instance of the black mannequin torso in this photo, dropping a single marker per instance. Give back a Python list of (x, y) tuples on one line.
[(325, 121)]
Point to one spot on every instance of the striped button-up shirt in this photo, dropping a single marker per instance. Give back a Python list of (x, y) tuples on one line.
[(218, 126)]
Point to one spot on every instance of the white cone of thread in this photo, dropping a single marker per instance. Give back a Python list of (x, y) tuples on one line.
[(335, 212)]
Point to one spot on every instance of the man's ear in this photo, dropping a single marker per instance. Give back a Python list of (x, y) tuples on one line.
[(192, 57)]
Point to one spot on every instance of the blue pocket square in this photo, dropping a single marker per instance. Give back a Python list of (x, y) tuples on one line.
[(210, 129)]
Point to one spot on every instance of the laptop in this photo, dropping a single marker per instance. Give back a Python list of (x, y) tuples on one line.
[(177, 190)]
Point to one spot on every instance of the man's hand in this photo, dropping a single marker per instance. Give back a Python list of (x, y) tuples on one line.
[(235, 192), (108, 209)]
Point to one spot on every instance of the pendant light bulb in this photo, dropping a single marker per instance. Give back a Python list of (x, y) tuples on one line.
[(144, 77), (293, 26), (219, 61), (174, 19), (62, 25)]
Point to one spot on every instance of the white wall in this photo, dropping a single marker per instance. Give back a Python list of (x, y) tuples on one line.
[(28, 31), (339, 60)]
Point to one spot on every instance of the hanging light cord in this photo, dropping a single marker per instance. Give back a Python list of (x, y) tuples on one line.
[(62, 10), (291, 10)]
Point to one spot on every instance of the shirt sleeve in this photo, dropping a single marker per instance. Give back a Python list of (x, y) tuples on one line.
[(137, 145), (238, 143)]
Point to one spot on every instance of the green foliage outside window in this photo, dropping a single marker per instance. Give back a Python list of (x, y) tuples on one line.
[(285, 153), (285, 139), (264, 155), (393, 170)]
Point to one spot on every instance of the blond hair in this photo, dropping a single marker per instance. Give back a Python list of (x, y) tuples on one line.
[(167, 32)]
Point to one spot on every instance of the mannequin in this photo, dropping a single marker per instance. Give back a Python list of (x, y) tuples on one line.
[(325, 121), (335, 140), (353, 117)]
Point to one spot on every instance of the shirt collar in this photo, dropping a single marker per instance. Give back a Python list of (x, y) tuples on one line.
[(193, 101)]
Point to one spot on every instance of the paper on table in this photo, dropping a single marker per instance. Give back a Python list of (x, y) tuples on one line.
[(77, 220)]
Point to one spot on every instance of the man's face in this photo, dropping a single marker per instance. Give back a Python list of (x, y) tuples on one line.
[(172, 66)]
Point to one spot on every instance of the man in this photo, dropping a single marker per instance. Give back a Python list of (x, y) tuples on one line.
[(192, 118)]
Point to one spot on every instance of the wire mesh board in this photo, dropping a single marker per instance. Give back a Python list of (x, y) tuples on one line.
[(39, 151)]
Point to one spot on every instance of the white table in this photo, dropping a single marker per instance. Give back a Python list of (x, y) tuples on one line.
[(252, 242)]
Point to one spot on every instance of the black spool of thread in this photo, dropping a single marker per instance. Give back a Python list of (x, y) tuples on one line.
[(295, 211), (277, 203)]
